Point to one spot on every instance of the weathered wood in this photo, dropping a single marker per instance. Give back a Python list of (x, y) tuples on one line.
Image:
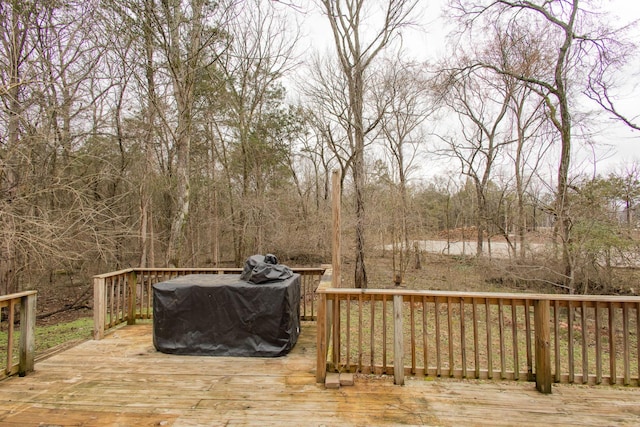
[(360, 330), (527, 318), (398, 341), (487, 307), (542, 346), (570, 340), (425, 335), (122, 380), (514, 333), (450, 332), (372, 334), (132, 297), (492, 297), (336, 338), (626, 345), (613, 372), (347, 379), (348, 332), (27, 333), (4, 299), (463, 340), (503, 369), (384, 332), (599, 345), (438, 335), (26, 301), (332, 380), (370, 319), (99, 308), (585, 344), (476, 340), (321, 339), (556, 337), (637, 305), (10, 329), (413, 334)]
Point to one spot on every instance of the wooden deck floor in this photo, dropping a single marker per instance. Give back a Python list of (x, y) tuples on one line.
[(123, 381)]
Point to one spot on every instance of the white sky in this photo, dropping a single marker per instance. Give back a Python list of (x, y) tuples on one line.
[(615, 143)]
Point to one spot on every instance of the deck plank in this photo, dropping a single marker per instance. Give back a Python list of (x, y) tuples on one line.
[(123, 381)]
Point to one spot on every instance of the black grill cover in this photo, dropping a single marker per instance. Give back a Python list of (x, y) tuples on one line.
[(221, 315)]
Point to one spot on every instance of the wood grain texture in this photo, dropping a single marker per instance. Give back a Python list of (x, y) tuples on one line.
[(123, 381)]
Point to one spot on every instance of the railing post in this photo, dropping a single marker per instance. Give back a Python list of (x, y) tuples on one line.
[(132, 281), (321, 338), (27, 334), (398, 341), (99, 307), (543, 346)]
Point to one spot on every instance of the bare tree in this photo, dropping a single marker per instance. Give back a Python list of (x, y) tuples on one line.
[(527, 116), (403, 104), (625, 183), (531, 145), (329, 114), (17, 22), (187, 39), (260, 53), (356, 49), (575, 44), (600, 91), (147, 248), (481, 100)]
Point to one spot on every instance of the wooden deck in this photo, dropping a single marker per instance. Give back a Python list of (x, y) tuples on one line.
[(123, 381)]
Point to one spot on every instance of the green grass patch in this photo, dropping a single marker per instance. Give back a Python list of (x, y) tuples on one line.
[(49, 336), (53, 335)]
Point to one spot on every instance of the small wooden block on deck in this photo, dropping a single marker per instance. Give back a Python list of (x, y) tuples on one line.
[(335, 380), (332, 380), (346, 378)]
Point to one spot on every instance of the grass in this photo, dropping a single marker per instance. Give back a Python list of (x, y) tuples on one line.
[(49, 336), (54, 335)]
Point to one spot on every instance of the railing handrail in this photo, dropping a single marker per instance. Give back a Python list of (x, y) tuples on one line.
[(299, 270), (17, 295), (26, 347), (479, 295)]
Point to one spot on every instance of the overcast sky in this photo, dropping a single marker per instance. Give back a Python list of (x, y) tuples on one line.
[(615, 143)]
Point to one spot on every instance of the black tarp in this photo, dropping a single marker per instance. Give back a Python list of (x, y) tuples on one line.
[(222, 315)]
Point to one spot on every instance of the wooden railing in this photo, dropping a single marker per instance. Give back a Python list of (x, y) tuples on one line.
[(22, 306), (126, 295), (541, 338)]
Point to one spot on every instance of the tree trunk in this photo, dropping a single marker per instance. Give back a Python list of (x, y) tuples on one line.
[(145, 192), (184, 67)]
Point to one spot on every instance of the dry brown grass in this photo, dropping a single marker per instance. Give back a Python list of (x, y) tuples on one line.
[(469, 274), (438, 272)]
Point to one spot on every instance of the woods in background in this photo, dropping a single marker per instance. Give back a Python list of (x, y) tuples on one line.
[(180, 133)]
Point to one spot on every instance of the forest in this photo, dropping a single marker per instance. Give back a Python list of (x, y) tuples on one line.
[(199, 132)]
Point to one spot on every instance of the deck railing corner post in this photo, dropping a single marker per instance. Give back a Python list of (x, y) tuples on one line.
[(27, 334), (132, 297), (99, 307), (321, 338)]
